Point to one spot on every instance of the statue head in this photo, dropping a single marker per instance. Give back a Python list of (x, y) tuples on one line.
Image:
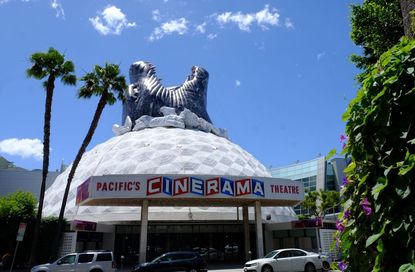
[(141, 69)]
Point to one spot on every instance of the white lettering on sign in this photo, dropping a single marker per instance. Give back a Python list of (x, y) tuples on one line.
[(118, 186)]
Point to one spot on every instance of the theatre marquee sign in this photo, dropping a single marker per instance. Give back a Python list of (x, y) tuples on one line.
[(188, 187)]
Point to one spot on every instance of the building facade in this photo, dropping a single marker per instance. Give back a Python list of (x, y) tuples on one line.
[(13, 178), (313, 234), (316, 174), (121, 195)]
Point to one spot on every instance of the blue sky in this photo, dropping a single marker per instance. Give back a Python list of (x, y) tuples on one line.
[(280, 75)]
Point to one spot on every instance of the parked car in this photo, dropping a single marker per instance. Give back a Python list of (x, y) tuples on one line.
[(174, 261), (89, 261), (287, 260)]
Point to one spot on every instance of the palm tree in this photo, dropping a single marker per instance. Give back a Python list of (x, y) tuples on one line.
[(108, 84), (50, 65), (408, 14)]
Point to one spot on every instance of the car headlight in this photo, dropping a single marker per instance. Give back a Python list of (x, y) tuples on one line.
[(251, 264)]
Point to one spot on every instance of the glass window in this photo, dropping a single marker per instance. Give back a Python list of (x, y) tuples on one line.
[(166, 258), (271, 254), (280, 233), (103, 257), (69, 259), (297, 253), (183, 256), (297, 233), (85, 258), (284, 254), (231, 228)]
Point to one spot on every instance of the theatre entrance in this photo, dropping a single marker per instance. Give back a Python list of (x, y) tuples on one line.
[(216, 242)]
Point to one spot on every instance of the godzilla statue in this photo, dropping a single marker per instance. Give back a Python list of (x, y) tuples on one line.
[(146, 95)]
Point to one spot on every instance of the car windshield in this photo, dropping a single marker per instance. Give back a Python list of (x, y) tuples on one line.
[(162, 258), (271, 254)]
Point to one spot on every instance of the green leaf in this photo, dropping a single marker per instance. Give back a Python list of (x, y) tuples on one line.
[(379, 247), (373, 238), (410, 70), (347, 204), (382, 183), (331, 154), (407, 268), (346, 116), (350, 168), (403, 193), (409, 163)]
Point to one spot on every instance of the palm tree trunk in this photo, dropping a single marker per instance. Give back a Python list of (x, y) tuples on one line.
[(100, 107), (408, 15), (46, 143)]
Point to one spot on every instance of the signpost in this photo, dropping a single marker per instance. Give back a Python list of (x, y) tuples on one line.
[(19, 238)]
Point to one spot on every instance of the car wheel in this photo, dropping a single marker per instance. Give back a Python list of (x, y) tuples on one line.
[(267, 268), (326, 266), (96, 270), (310, 268)]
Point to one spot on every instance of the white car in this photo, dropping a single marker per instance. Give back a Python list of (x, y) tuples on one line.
[(90, 261), (287, 260)]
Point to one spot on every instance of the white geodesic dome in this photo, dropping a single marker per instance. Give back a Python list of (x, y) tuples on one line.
[(161, 151)]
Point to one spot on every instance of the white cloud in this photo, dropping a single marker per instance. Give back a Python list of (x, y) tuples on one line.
[(237, 83), (24, 148), (178, 26), (111, 21), (6, 1), (263, 18), (156, 15), (321, 55), (212, 36), (58, 8), (288, 23), (201, 28)]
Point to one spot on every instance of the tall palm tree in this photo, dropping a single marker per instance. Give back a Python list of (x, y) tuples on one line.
[(50, 65), (408, 15), (107, 83)]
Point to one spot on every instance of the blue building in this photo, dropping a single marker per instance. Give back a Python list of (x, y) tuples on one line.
[(315, 174)]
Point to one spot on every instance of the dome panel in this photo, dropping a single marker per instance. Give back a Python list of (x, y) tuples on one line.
[(156, 151)]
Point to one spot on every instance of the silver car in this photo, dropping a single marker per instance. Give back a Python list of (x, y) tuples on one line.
[(90, 261), (287, 260)]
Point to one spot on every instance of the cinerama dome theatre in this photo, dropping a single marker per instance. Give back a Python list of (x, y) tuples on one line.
[(166, 131)]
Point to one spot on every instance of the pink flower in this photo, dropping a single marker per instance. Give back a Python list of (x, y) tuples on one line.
[(366, 206), (347, 214), (342, 266), (343, 140), (338, 241), (339, 226), (345, 182)]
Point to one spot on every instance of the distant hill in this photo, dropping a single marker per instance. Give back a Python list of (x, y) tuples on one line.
[(5, 164)]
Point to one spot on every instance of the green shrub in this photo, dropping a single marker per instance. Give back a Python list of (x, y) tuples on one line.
[(377, 227)]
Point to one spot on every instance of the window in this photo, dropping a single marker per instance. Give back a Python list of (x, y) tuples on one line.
[(69, 259), (166, 258), (297, 253), (85, 258), (183, 256), (188, 256), (284, 254), (104, 257)]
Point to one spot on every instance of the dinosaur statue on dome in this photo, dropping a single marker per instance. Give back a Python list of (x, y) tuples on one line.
[(146, 95), (149, 104)]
